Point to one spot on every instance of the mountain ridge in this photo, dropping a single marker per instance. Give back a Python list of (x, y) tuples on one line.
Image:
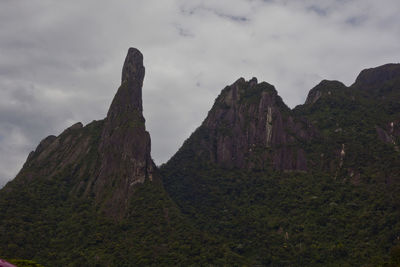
[(326, 215), (257, 183)]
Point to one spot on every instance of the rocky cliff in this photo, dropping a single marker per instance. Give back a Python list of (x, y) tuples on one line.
[(250, 127)]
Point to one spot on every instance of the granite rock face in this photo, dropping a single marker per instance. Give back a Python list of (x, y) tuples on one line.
[(250, 127), (125, 144), (390, 133)]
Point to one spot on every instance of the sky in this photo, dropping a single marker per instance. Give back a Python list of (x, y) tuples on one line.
[(61, 61)]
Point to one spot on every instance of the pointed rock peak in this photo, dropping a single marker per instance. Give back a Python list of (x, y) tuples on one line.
[(133, 69), (325, 87), (125, 144), (239, 81), (128, 99), (370, 78), (253, 81)]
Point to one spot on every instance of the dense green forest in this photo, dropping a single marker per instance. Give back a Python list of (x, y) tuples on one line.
[(292, 219)]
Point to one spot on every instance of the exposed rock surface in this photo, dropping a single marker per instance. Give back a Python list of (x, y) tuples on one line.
[(125, 143), (73, 153), (384, 136), (250, 127), (390, 133)]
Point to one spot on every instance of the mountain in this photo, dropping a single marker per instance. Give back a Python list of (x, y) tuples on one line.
[(92, 196), (317, 185), (359, 124), (250, 127), (106, 158), (256, 184)]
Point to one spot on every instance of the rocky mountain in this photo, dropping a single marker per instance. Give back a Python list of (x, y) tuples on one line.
[(124, 144), (250, 127), (256, 184), (105, 158), (92, 196), (309, 182)]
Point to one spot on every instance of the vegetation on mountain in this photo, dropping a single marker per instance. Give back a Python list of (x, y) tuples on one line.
[(343, 211), (257, 184)]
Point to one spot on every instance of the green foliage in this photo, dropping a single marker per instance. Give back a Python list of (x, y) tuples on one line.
[(44, 222), (24, 263), (350, 117), (289, 219)]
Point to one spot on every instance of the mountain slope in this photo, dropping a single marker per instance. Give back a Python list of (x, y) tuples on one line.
[(342, 210), (360, 124)]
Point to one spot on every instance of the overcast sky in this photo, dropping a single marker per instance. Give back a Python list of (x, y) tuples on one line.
[(60, 61)]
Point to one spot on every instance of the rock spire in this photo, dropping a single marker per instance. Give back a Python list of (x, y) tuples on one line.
[(125, 144)]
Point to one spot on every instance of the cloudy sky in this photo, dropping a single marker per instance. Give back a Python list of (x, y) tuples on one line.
[(60, 61)]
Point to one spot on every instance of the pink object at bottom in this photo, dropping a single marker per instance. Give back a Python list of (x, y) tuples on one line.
[(3, 263)]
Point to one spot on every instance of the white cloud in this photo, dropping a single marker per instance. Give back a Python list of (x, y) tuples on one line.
[(61, 61)]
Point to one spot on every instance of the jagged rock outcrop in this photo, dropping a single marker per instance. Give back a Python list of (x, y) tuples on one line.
[(250, 127), (71, 156), (390, 133)]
